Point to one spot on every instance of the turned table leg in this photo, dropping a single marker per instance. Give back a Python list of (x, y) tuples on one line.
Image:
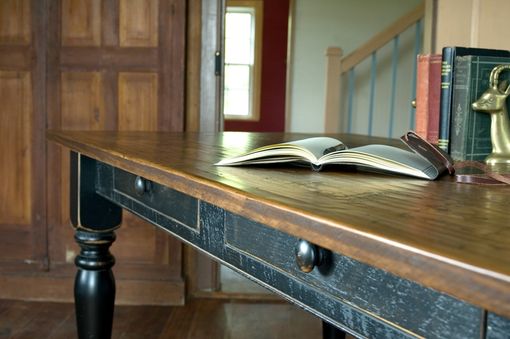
[(94, 287), (94, 219)]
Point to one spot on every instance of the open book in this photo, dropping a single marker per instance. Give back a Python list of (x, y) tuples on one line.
[(423, 161)]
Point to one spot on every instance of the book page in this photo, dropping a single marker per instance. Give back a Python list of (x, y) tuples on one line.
[(319, 146), (386, 158), (310, 150)]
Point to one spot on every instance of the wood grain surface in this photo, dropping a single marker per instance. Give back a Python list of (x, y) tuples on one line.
[(454, 238), (23, 224)]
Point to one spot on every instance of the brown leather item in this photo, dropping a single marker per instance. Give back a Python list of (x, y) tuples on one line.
[(442, 160), (433, 154)]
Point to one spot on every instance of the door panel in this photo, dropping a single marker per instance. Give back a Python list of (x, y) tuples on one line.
[(82, 105), (138, 101), (138, 23), (81, 23), (22, 184), (16, 164), (15, 22)]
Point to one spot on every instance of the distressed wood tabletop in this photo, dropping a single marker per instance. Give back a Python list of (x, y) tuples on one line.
[(451, 237)]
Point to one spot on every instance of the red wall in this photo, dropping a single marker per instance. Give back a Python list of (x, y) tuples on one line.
[(274, 67)]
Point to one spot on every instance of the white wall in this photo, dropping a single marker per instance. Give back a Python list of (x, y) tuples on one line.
[(317, 25)]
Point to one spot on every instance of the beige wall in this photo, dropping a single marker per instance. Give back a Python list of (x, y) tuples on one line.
[(472, 23)]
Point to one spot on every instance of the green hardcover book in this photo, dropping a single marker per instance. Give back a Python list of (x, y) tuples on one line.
[(470, 137)]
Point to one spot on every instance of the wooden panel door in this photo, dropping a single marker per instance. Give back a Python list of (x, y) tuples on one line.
[(22, 184), (116, 65)]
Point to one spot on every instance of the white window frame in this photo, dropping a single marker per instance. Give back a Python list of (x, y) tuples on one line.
[(256, 7)]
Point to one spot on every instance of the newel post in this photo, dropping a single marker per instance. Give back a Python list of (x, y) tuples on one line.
[(332, 102)]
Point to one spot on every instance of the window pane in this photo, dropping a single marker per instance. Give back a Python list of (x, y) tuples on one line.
[(237, 90), (239, 38)]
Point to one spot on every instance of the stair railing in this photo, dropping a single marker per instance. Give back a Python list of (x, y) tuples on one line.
[(338, 65)]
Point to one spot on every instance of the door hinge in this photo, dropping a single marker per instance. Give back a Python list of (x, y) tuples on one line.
[(217, 63)]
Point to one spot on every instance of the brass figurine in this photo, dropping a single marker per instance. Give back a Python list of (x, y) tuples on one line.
[(492, 101)]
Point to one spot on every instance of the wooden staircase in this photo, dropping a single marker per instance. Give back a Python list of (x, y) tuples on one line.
[(340, 71)]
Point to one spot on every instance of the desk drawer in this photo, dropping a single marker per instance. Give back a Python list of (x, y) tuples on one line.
[(375, 291), (164, 200), (162, 206)]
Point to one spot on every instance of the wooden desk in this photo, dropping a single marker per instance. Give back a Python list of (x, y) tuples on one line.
[(403, 257)]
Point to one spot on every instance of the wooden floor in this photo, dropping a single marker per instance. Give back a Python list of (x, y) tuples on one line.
[(201, 318)]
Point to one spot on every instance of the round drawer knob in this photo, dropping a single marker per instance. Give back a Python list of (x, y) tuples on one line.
[(308, 255), (142, 185)]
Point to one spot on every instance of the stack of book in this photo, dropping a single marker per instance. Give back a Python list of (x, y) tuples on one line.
[(447, 85)]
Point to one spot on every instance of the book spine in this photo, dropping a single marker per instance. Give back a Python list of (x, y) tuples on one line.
[(428, 89), (446, 97), (422, 94), (434, 98), (461, 107)]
